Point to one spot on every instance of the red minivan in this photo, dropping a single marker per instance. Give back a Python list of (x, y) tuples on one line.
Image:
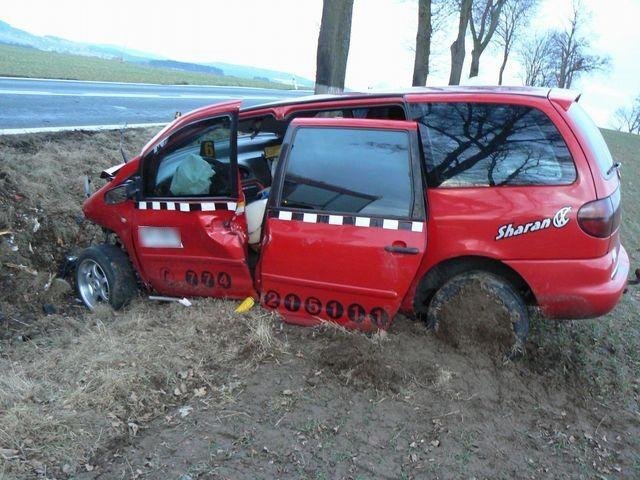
[(352, 208)]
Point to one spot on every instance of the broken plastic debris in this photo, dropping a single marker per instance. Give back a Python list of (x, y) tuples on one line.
[(12, 243), (22, 268), (246, 305), (186, 410), (181, 301)]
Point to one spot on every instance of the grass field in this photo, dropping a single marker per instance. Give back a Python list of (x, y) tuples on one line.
[(27, 62), (164, 391)]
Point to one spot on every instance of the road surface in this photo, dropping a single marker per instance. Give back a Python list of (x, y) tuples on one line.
[(34, 103)]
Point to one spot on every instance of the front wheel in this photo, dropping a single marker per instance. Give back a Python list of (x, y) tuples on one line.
[(104, 275), (480, 308)]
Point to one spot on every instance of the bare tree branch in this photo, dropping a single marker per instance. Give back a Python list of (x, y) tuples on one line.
[(515, 16), (483, 22), (558, 57), (628, 118)]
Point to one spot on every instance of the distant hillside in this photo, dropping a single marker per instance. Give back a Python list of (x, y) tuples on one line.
[(14, 36), (30, 62), (188, 67), (10, 35), (253, 72)]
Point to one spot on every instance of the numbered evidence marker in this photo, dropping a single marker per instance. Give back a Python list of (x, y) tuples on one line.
[(208, 149)]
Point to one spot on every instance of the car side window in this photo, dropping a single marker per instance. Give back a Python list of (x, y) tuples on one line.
[(488, 144), (193, 163), (350, 171)]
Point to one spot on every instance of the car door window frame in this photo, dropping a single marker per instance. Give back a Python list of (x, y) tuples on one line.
[(417, 205), (163, 148)]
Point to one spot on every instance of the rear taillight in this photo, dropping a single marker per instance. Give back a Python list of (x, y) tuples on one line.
[(601, 218)]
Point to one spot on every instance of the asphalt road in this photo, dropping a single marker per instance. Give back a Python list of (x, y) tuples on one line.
[(33, 103)]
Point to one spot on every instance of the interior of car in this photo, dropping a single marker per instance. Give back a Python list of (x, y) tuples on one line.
[(259, 142)]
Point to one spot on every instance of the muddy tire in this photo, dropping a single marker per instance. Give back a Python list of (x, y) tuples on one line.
[(104, 275), (480, 308)]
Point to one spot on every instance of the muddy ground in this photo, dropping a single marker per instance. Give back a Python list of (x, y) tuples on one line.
[(165, 391)]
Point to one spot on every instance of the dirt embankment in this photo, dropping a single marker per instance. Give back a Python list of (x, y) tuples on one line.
[(164, 391), (41, 194)]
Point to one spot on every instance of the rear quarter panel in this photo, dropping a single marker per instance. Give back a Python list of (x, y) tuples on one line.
[(467, 221)]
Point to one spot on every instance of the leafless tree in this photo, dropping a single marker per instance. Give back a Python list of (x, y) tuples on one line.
[(432, 15), (333, 45), (571, 49), (536, 55), (423, 44), (557, 58), (628, 118), (457, 47), (485, 15), (515, 16)]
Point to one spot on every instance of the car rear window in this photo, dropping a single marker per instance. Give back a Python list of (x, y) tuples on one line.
[(593, 137), (488, 144), (349, 170)]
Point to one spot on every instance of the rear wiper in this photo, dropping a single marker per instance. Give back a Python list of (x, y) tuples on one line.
[(615, 166)]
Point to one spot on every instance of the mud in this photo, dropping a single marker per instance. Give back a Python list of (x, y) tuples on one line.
[(475, 321), (406, 406)]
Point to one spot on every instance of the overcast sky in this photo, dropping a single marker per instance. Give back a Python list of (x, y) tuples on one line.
[(282, 35)]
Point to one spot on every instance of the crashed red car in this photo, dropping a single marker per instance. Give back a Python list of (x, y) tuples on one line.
[(352, 208)]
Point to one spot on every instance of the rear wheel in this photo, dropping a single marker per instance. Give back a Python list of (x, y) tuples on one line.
[(480, 308), (104, 275)]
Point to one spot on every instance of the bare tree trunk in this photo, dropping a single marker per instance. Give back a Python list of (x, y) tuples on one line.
[(485, 16), (505, 57), (333, 45), (514, 17), (475, 61), (457, 47), (423, 44)]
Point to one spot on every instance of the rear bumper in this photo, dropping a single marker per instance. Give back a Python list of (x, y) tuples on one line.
[(576, 288)]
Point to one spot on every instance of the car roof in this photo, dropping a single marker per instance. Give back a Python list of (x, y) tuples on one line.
[(400, 93)]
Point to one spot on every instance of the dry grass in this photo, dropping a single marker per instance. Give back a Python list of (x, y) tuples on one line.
[(83, 384), (41, 194), (65, 396)]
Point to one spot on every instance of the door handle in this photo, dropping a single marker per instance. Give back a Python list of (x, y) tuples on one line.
[(399, 249)]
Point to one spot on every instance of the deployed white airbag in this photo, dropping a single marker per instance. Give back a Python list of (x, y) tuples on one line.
[(254, 213), (192, 177)]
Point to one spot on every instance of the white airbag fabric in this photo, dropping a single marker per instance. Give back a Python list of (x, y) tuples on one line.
[(254, 213), (192, 177)]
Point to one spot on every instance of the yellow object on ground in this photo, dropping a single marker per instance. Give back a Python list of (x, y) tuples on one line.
[(246, 305)]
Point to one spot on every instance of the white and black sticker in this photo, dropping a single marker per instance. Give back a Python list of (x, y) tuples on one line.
[(352, 220), (190, 206), (559, 220)]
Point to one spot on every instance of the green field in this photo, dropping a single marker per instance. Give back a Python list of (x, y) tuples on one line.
[(32, 63)]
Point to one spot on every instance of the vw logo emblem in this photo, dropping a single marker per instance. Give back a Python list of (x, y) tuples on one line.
[(560, 219)]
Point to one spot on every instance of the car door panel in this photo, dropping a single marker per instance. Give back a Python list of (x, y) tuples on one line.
[(351, 268), (194, 245)]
